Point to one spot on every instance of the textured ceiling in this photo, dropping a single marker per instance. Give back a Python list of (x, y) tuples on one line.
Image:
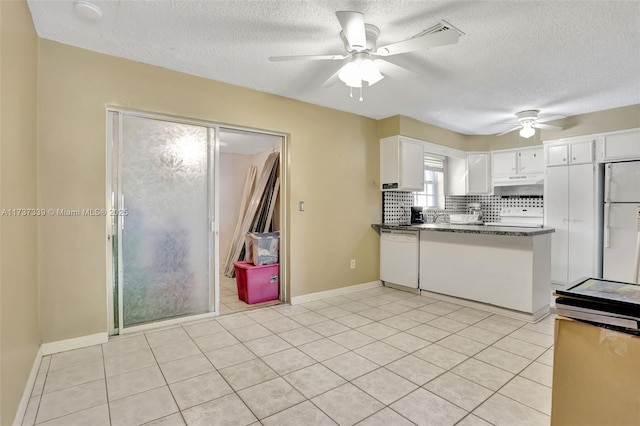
[(562, 57)]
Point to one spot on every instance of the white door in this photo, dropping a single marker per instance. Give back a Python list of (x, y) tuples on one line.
[(581, 222), (621, 146), (531, 160), (556, 215), (412, 165), (557, 155), (503, 163), (478, 173), (620, 235), (622, 182), (581, 152)]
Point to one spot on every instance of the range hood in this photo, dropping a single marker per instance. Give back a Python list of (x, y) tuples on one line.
[(519, 180)]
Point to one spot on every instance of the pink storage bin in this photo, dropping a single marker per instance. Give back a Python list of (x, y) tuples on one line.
[(257, 283)]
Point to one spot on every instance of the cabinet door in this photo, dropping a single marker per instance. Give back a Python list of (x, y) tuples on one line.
[(456, 176), (478, 176), (503, 163), (581, 152), (411, 165), (624, 146), (581, 222), (531, 161), (557, 155), (556, 215)]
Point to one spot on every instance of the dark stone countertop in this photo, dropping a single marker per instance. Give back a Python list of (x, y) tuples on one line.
[(468, 229)]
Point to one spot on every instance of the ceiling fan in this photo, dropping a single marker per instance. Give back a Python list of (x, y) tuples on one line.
[(529, 121), (360, 41)]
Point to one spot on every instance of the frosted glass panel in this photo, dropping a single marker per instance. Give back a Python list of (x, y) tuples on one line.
[(165, 237)]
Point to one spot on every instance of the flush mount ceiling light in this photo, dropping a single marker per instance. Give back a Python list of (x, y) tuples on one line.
[(360, 41), (88, 10)]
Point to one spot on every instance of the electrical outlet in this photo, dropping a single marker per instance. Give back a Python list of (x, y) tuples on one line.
[(353, 264)]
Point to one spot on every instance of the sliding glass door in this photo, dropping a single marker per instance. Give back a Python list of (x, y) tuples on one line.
[(164, 245)]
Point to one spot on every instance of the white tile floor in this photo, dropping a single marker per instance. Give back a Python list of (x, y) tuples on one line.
[(375, 357)]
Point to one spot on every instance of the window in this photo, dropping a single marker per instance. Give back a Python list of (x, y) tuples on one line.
[(433, 194)]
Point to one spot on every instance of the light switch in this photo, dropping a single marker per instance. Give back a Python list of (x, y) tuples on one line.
[(301, 206)]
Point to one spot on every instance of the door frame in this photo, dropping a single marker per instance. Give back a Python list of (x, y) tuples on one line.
[(214, 152)]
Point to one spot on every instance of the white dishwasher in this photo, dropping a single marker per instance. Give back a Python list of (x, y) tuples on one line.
[(399, 256)]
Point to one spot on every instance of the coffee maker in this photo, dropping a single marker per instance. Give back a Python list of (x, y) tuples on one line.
[(416, 215)]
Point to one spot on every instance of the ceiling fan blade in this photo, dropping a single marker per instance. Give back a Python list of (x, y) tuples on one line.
[(546, 126), (352, 24), (440, 38), (393, 70), (510, 130), (550, 118), (307, 58), (333, 78)]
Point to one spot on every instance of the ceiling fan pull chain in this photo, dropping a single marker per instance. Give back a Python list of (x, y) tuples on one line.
[(350, 92), (360, 94)]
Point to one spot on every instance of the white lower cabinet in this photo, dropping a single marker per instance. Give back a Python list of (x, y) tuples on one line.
[(569, 204)]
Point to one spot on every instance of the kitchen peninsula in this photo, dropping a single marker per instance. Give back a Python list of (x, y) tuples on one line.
[(506, 267)]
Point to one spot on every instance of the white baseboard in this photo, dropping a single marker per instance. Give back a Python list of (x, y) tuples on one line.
[(75, 343), (26, 394), (296, 300)]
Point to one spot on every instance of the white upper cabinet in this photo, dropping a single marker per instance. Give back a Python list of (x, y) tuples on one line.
[(624, 145), (531, 160), (557, 155), (564, 153), (401, 164), (504, 163), (581, 152), (517, 162), (470, 175), (478, 173)]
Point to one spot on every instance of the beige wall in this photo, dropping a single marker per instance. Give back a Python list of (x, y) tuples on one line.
[(19, 338), (430, 133), (334, 169)]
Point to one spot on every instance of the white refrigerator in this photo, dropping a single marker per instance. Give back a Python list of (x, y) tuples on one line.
[(620, 228)]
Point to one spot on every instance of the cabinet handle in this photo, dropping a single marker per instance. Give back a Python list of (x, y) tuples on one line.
[(564, 219), (564, 160), (522, 167), (574, 158)]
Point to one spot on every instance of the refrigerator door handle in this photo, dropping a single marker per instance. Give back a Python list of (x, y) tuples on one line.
[(607, 184), (607, 232)]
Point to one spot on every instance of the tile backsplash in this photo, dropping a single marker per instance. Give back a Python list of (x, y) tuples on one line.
[(396, 207)]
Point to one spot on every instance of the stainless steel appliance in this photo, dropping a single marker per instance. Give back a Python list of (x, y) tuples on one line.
[(620, 228), (522, 217), (417, 216), (399, 253), (475, 209)]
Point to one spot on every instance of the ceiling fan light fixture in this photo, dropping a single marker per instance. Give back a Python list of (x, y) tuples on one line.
[(370, 72), (350, 75), (527, 130)]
